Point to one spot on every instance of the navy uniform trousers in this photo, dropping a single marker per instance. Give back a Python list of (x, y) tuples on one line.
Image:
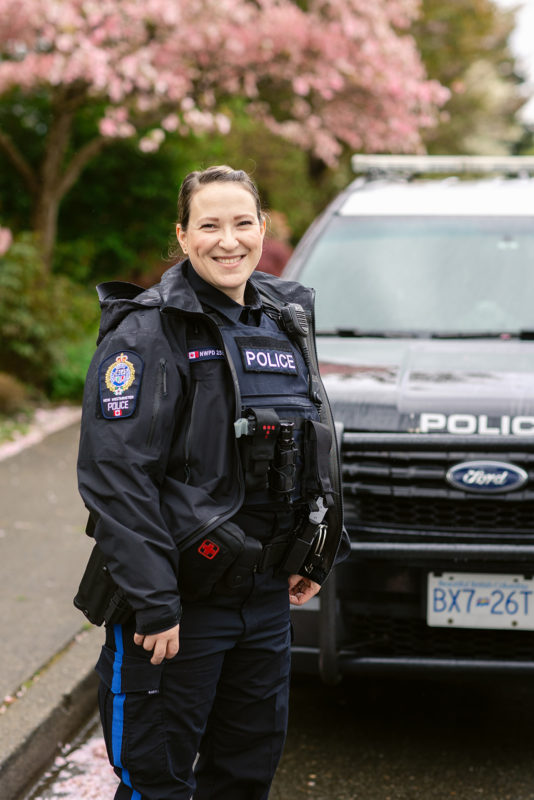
[(223, 697)]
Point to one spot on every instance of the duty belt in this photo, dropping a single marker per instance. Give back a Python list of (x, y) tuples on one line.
[(295, 552), (272, 553)]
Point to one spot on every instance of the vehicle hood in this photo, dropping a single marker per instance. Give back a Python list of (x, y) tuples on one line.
[(398, 384)]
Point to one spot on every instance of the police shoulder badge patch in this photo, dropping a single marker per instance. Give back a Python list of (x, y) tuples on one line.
[(119, 378)]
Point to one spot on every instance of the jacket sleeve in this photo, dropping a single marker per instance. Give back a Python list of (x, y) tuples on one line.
[(126, 433)]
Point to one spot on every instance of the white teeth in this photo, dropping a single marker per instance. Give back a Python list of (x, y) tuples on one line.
[(229, 261)]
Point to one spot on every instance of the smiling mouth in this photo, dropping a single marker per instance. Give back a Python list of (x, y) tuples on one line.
[(228, 262)]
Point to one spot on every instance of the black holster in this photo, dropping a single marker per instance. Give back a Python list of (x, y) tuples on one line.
[(98, 596)]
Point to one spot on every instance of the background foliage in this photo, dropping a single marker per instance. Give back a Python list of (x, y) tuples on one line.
[(117, 219), (45, 323), (464, 45)]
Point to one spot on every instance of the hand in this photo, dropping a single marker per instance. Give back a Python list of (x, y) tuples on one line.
[(301, 589), (165, 644)]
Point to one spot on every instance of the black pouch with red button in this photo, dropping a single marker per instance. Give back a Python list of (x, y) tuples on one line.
[(206, 563)]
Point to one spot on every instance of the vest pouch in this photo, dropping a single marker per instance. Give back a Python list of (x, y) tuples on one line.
[(316, 476), (257, 446), (204, 563), (243, 567)]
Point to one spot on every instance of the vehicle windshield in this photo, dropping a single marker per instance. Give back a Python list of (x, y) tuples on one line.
[(427, 275)]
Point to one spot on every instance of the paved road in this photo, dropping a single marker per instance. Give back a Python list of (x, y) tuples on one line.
[(364, 740), (42, 553), (410, 740), (379, 740)]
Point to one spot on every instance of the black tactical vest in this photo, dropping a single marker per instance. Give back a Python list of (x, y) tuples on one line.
[(272, 377)]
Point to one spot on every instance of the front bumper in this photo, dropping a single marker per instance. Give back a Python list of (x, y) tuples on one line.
[(371, 617)]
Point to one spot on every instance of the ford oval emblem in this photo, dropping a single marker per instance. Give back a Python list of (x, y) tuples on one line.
[(486, 477)]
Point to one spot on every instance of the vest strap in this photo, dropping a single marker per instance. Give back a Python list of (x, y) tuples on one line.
[(317, 445)]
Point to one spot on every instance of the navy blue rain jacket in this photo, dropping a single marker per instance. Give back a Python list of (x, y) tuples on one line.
[(170, 470)]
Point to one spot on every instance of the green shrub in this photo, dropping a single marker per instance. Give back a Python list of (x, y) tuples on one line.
[(40, 315), (13, 394), (68, 374)]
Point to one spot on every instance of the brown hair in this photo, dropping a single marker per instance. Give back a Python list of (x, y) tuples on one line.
[(195, 180)]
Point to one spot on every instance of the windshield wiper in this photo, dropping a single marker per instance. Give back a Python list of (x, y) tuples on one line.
[(466, 335), (360, 333), (522, 334)]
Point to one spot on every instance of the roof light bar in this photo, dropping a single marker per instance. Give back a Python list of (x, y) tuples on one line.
[(442, 164)]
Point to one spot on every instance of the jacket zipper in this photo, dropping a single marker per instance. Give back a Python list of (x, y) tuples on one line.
[(161, 391), (187, 454)]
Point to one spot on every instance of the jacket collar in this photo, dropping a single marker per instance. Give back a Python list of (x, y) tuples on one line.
[(117, 298), (176, 291)]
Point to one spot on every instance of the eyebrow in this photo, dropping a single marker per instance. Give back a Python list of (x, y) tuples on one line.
[(246, 215)]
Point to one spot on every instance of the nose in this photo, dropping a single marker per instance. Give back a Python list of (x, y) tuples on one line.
[(228, 239)]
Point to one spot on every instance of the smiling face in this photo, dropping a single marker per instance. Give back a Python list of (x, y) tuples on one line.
[(224, 236)]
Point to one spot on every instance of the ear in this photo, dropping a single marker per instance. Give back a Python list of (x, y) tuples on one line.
[(181, 235)]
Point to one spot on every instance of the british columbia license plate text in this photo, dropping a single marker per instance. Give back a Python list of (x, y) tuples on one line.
[(469, 600)]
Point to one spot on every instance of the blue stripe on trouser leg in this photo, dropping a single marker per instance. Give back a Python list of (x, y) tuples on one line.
[(117, 729)]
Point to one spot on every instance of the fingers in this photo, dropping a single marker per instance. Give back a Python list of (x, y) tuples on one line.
[(164, 645), (301, 589), (160, 649)]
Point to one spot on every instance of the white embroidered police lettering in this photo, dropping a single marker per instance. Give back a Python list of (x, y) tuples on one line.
[(271, 360), (118, 405)]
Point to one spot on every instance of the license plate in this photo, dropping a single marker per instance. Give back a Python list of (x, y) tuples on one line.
[(469, 600)]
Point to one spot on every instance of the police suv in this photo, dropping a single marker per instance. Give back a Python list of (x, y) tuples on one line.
[(424, 273)]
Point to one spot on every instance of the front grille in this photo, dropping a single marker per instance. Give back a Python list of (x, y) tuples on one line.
[(453, 514), (386, 637), (397, 482)]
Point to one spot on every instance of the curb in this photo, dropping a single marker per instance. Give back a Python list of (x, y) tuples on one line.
[(48, 714), (45, 422)]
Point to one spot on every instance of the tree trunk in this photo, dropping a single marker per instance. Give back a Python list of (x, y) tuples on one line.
[(55, 186), (48, 198), (56, 177), (45, 223)]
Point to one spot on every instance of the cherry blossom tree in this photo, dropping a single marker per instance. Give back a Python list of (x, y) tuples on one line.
[(322, 73), (6, 239)]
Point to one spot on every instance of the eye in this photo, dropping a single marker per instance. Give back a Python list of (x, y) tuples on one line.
[(206, 225), (246, 222)]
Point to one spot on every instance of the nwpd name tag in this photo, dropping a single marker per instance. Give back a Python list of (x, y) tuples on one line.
[(120, 380), (207, 354), (262, 354)]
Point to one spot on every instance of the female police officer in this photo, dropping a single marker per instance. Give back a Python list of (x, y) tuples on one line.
[(208, 465)]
